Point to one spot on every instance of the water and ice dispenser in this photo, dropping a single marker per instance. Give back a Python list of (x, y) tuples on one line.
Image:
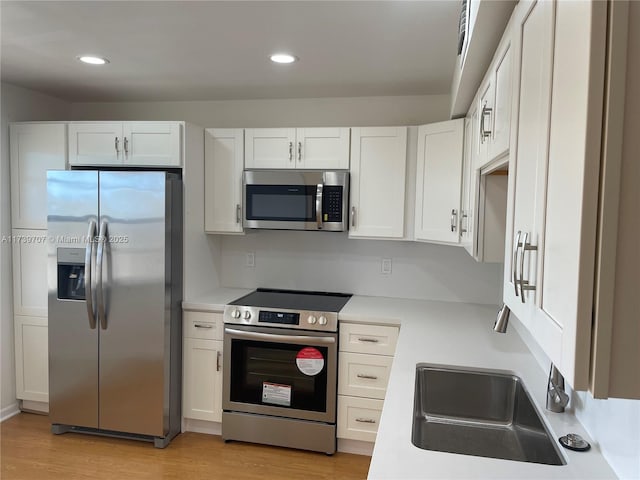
[(71, 273)]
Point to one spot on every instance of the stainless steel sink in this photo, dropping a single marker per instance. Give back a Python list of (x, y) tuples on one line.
[(480, 413)]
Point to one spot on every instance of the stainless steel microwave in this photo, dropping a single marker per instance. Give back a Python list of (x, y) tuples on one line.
[(296, 200)]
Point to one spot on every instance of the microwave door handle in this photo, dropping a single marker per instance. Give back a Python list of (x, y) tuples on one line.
[(277, 338), (319, 188)]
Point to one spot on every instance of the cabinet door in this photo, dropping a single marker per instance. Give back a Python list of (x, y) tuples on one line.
[(95, 144), (467, 206), (32, 358), (270, 148), (152, 144), (527, 166), (223, 164), (30, 272), (378, 169), (562, 322), (322, 148), (202, 379), (438, 181), (358, 418), (35, 148), (502, 76)]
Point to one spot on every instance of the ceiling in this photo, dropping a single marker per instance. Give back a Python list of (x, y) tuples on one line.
[(215, 50)]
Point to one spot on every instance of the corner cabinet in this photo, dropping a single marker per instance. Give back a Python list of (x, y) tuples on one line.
[(438, 181), (554, 176), (377, 184), (135, 144), (223, 165), (297, 148), (202, 366)]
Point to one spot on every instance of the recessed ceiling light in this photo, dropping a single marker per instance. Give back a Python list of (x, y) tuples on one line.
[(92, 60), (283, 58)]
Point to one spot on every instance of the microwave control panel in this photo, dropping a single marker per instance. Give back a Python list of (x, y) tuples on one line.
[(332, 204)]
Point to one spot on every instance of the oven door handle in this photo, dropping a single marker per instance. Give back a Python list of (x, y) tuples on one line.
[(276, 338)]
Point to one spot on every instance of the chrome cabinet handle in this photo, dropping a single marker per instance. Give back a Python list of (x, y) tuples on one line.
[(218, 361), (454, 220), (515, 261), (88, 256), (238, 213), (202, 325), (486, 111), (368, 340), (117, 142), (353, 216), (290, 151), (368, 377), (126, 146), (365, 420), (299, 151), (524, 284), (102, 238), (319, 188)]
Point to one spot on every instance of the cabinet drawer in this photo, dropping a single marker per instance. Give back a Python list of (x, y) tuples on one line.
[(358, 418), (363, 375), (207, 325), (363, 338)]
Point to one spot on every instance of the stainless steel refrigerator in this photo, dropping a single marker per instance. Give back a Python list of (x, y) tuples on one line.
[(115, 289)]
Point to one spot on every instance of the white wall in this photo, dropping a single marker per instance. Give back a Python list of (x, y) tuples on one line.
[(17, 104)]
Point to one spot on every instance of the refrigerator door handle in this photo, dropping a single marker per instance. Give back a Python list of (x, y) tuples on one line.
[(102, 238), (88, 256)]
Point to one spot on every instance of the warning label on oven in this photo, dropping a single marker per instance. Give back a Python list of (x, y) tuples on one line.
[(310, 361), (276, 394)]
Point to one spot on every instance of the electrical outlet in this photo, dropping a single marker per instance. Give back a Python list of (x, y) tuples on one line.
[(251, 259), (386, 266)]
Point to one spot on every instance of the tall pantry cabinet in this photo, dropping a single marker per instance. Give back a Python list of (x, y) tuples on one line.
[(34, 149)]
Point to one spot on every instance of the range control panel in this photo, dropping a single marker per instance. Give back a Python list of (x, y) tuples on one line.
[(271, 317)]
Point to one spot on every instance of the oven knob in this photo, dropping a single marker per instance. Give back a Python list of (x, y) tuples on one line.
[(247, 315), (235, 313), (322, 320), (311, 319)]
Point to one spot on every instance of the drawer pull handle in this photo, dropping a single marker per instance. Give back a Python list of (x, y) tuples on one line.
[(200, 325), (218, 354), (368, 377), (370, 340), (365, 420)]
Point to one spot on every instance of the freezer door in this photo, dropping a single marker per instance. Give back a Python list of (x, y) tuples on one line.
[(133, 302), (73, 336)]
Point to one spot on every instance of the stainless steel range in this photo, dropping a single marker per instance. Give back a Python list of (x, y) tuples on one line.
[(280, 369)]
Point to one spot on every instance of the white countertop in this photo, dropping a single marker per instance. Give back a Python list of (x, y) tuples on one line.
[(453, 334)]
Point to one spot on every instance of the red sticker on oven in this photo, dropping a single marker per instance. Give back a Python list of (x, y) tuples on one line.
[(310, 361)]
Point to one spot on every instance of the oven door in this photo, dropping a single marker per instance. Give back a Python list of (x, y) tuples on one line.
[(280, 372)]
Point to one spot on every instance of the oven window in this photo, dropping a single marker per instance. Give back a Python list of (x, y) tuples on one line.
[(265, 373), (293, 203)]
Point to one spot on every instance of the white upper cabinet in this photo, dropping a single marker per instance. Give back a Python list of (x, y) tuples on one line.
[(223, 163), (495, 102), (554, 174), (303, 148), (125, 143), (378, 169), (438, 181), (35, 148)]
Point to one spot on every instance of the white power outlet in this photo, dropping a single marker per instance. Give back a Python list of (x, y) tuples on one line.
[(251, 259), (386, 266)]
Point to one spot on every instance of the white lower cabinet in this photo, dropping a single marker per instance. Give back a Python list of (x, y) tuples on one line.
[(364, 364), (202, 366), (32, 358)]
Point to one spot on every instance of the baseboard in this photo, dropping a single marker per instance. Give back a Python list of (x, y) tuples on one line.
[(41, 408), (201, 426), (357, 447), (8, 412)]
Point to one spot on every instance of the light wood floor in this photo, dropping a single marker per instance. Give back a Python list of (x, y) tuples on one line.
[(28, 451)]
